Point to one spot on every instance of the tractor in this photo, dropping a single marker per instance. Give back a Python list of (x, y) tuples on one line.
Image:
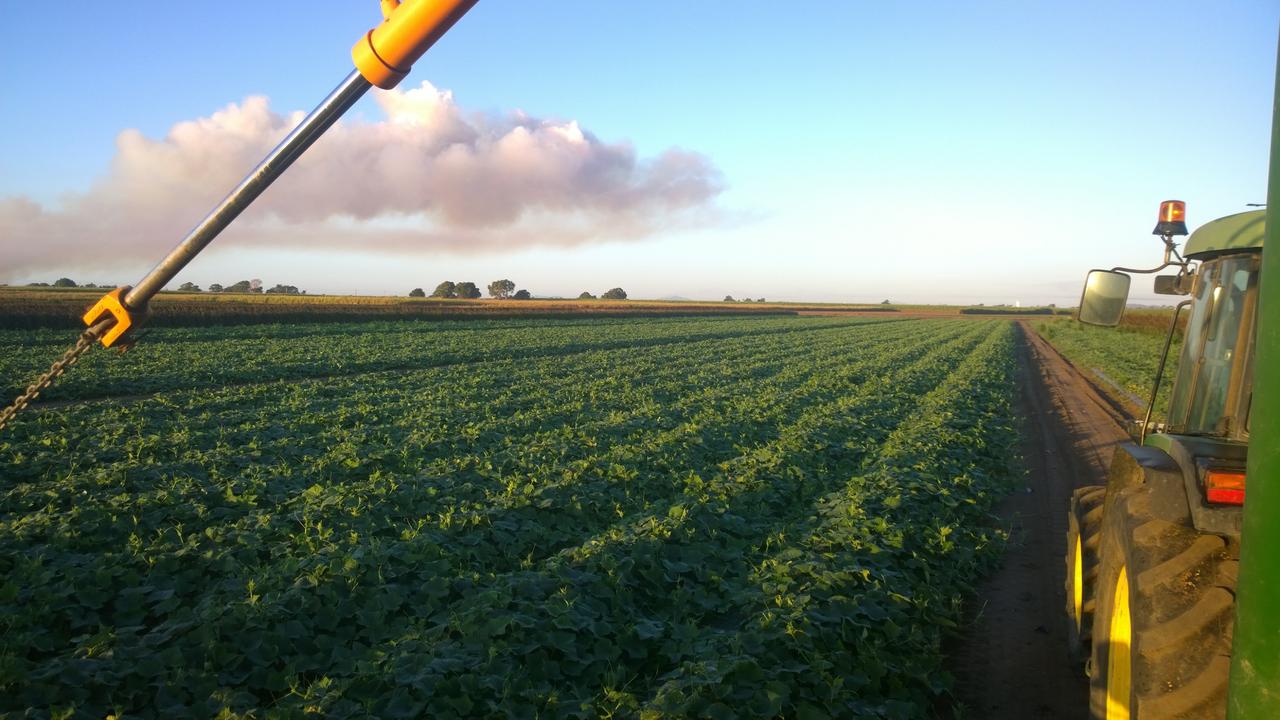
[(1153, 556)]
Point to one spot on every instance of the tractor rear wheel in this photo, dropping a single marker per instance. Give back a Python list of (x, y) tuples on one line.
[(1163, 619), (1084, 532)]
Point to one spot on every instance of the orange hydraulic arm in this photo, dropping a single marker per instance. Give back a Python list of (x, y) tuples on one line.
[(386, 53), (383, 56)]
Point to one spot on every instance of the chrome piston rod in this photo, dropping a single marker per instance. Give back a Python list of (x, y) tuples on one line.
[(271, 167)]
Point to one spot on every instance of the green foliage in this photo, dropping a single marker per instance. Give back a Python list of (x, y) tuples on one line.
[(522, 295), (1123, 360), (501, 289), (190, 287), (586, 296), (684, 517), (64, 283), (417, 293), (466, 290), (615, 294), (446, 289)]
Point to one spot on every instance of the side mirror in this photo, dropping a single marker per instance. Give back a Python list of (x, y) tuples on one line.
[(1105, 295), (1173, 284)]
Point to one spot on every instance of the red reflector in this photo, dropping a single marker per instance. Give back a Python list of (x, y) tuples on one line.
[(1173, 211), (1224, 486)]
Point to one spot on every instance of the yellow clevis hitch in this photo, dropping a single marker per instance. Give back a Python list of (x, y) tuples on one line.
[(125, 319)]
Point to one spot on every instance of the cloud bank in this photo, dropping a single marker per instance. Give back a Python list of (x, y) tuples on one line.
[(431, 177)]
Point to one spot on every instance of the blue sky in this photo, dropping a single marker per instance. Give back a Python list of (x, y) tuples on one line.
[(922, 152)]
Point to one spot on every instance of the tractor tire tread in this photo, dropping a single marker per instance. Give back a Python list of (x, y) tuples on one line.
[(1181, 599), (1200, 550), (1085, 522), (1203, 696), (1161, 638)]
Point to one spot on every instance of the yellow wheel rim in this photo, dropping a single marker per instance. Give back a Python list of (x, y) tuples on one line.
[(1077, 588), (1119, 643)]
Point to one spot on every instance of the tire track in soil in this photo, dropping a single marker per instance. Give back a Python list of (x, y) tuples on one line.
[(1012, 661)]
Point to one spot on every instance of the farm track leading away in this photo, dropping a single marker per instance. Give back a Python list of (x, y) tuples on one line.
[(1013, 664)]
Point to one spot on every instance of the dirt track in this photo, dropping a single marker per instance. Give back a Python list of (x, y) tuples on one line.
[(1013, 664)]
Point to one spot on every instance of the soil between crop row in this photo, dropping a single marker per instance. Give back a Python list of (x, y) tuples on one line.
[(1012, 663)]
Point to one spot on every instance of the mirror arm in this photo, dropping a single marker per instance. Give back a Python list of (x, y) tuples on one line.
[(1136, 271), (1164, 356), (1170, 252)]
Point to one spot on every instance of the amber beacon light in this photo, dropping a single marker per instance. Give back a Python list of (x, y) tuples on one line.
[(386, 53), (1173, 218)]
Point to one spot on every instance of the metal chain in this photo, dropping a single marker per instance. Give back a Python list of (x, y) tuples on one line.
[(69, 358)]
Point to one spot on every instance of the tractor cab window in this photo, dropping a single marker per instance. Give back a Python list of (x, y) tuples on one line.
[(1212, 386)]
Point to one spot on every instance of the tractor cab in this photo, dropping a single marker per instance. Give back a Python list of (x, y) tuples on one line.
[(1152, 555), (1206, 427), (1213, 386)]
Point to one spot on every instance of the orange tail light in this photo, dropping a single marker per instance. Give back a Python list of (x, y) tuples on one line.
[(1225, 487)]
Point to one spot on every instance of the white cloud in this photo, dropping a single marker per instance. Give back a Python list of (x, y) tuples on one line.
[(431, 177)]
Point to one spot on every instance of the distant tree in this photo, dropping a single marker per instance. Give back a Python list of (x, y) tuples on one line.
[(284, 290), (445, 289), (615, 294), (215, 287), (522, 295), (501, 289), (189, 287), (746, 299), (885, 302), (586, 296), (240, 287), (759, 299), (467, 290), (255, 285), (729, 298), (417, 292), (37, 284), (64, 282), (88, 285)]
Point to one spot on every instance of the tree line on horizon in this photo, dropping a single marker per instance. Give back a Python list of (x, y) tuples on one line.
[(500, 290), (244, 286), (67, 283)]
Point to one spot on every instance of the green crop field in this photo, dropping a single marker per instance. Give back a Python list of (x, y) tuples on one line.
[(685, 517)]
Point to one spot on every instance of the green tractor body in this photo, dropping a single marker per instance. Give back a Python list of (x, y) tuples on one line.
[(1153, 558), (1207, 423)]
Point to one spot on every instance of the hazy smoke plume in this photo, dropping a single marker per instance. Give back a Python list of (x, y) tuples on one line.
[(430, 177)]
